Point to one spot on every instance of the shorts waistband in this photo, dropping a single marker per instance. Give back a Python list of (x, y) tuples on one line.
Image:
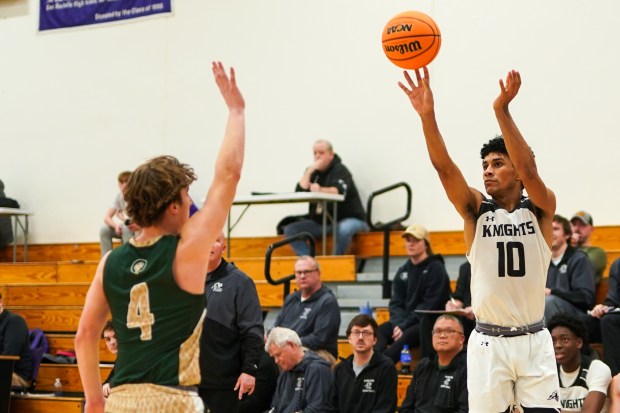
[(499, 331)]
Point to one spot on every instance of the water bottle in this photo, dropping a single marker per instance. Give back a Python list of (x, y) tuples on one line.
[(57, 387), (405, 360)]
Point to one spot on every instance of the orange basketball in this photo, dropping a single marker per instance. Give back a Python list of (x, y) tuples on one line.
[(411, 40)]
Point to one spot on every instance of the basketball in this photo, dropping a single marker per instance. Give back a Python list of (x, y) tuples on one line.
[(411, 40)]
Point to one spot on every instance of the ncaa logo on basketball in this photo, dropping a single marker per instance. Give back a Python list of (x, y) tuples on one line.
[(138, 266), (399, 28)]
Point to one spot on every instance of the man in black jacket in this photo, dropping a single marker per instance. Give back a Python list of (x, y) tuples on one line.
[(14, 341), (366, 381), (422, 283), (439, 385), (306, 378), (570, 284), (232, 334), (328, 174), (313, 311)]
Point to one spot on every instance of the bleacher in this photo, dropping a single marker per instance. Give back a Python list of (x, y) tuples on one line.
[(49, 292)]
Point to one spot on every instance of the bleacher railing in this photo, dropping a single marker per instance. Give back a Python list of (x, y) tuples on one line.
[(286, 280), (386, 227)]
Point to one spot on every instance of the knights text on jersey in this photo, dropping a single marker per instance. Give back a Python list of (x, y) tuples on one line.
[(509, 258)]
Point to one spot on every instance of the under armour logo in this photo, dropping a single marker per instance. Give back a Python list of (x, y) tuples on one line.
[(490, 218), (554, 396)]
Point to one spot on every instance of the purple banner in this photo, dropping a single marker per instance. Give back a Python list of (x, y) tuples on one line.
[(57, 14)]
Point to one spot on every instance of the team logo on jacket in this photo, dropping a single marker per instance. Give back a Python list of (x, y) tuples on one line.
[(369, 386), (446, 382), (304, 315), (404, 276), (217, 287), (299, 386), (563, 268), (138, 266)]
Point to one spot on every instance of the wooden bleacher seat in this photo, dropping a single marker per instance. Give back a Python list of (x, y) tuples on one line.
[(46, 404), (69, 375)]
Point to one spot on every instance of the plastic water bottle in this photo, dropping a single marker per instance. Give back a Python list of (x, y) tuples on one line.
[(405, 360), (57, 387)]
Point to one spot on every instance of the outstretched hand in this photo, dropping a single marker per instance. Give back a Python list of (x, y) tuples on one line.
[(420, 95), (228, 87), (508, 91)]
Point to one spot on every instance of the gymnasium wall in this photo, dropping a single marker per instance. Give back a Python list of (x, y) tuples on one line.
[(79, 106)]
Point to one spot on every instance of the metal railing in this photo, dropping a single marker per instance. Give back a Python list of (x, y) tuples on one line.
[(386, 228), (286, 280)]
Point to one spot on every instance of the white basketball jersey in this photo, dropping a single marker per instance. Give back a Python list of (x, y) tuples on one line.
[(509, 260)]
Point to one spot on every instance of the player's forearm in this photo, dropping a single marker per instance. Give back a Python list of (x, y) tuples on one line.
[(87, 352), (230, 157), (520, 152), (435, 144)]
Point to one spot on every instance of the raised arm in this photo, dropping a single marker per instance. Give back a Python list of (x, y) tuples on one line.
[(520, 152), (465, 199), (199, 233)]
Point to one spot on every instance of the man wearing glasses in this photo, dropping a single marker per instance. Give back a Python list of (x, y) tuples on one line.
[(312, 311), (366, 381), (440, 384)]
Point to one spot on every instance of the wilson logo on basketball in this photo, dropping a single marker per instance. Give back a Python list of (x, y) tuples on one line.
[(404, 48)]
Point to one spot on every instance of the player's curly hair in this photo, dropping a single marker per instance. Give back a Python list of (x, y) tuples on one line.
[(574, 324), (494, 145), (153, 186)]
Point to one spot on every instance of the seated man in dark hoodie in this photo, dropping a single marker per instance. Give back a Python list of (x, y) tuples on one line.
[(328, 174), (366, 381), (570, 279), (440, 384), (422, 283), (312, 311), (306, 378)]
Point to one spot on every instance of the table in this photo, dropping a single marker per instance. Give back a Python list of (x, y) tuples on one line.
[(6, 374), (288, 198), (17, 215)]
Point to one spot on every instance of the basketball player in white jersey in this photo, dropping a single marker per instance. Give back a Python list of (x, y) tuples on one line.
[(508, 238)]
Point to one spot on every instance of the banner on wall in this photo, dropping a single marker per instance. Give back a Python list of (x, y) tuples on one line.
[(60, 14)]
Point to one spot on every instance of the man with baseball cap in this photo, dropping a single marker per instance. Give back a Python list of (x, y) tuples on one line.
[(582, 226), (421, 283)]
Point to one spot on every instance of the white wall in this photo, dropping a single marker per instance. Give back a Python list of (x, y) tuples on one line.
[(78, 106)]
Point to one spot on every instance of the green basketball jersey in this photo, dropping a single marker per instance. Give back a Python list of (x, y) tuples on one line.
[(157, 324)]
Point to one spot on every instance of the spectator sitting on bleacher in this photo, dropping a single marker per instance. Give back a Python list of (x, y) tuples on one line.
[(306, 378), (109, 336), (570, 277), (313, 311), (366, 381), (461, 301), (116, 222), (328, 174), (440, 384), (422, 283), (14, 341), (6, 229), (583, 380), (582, 226), (604, 323)]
